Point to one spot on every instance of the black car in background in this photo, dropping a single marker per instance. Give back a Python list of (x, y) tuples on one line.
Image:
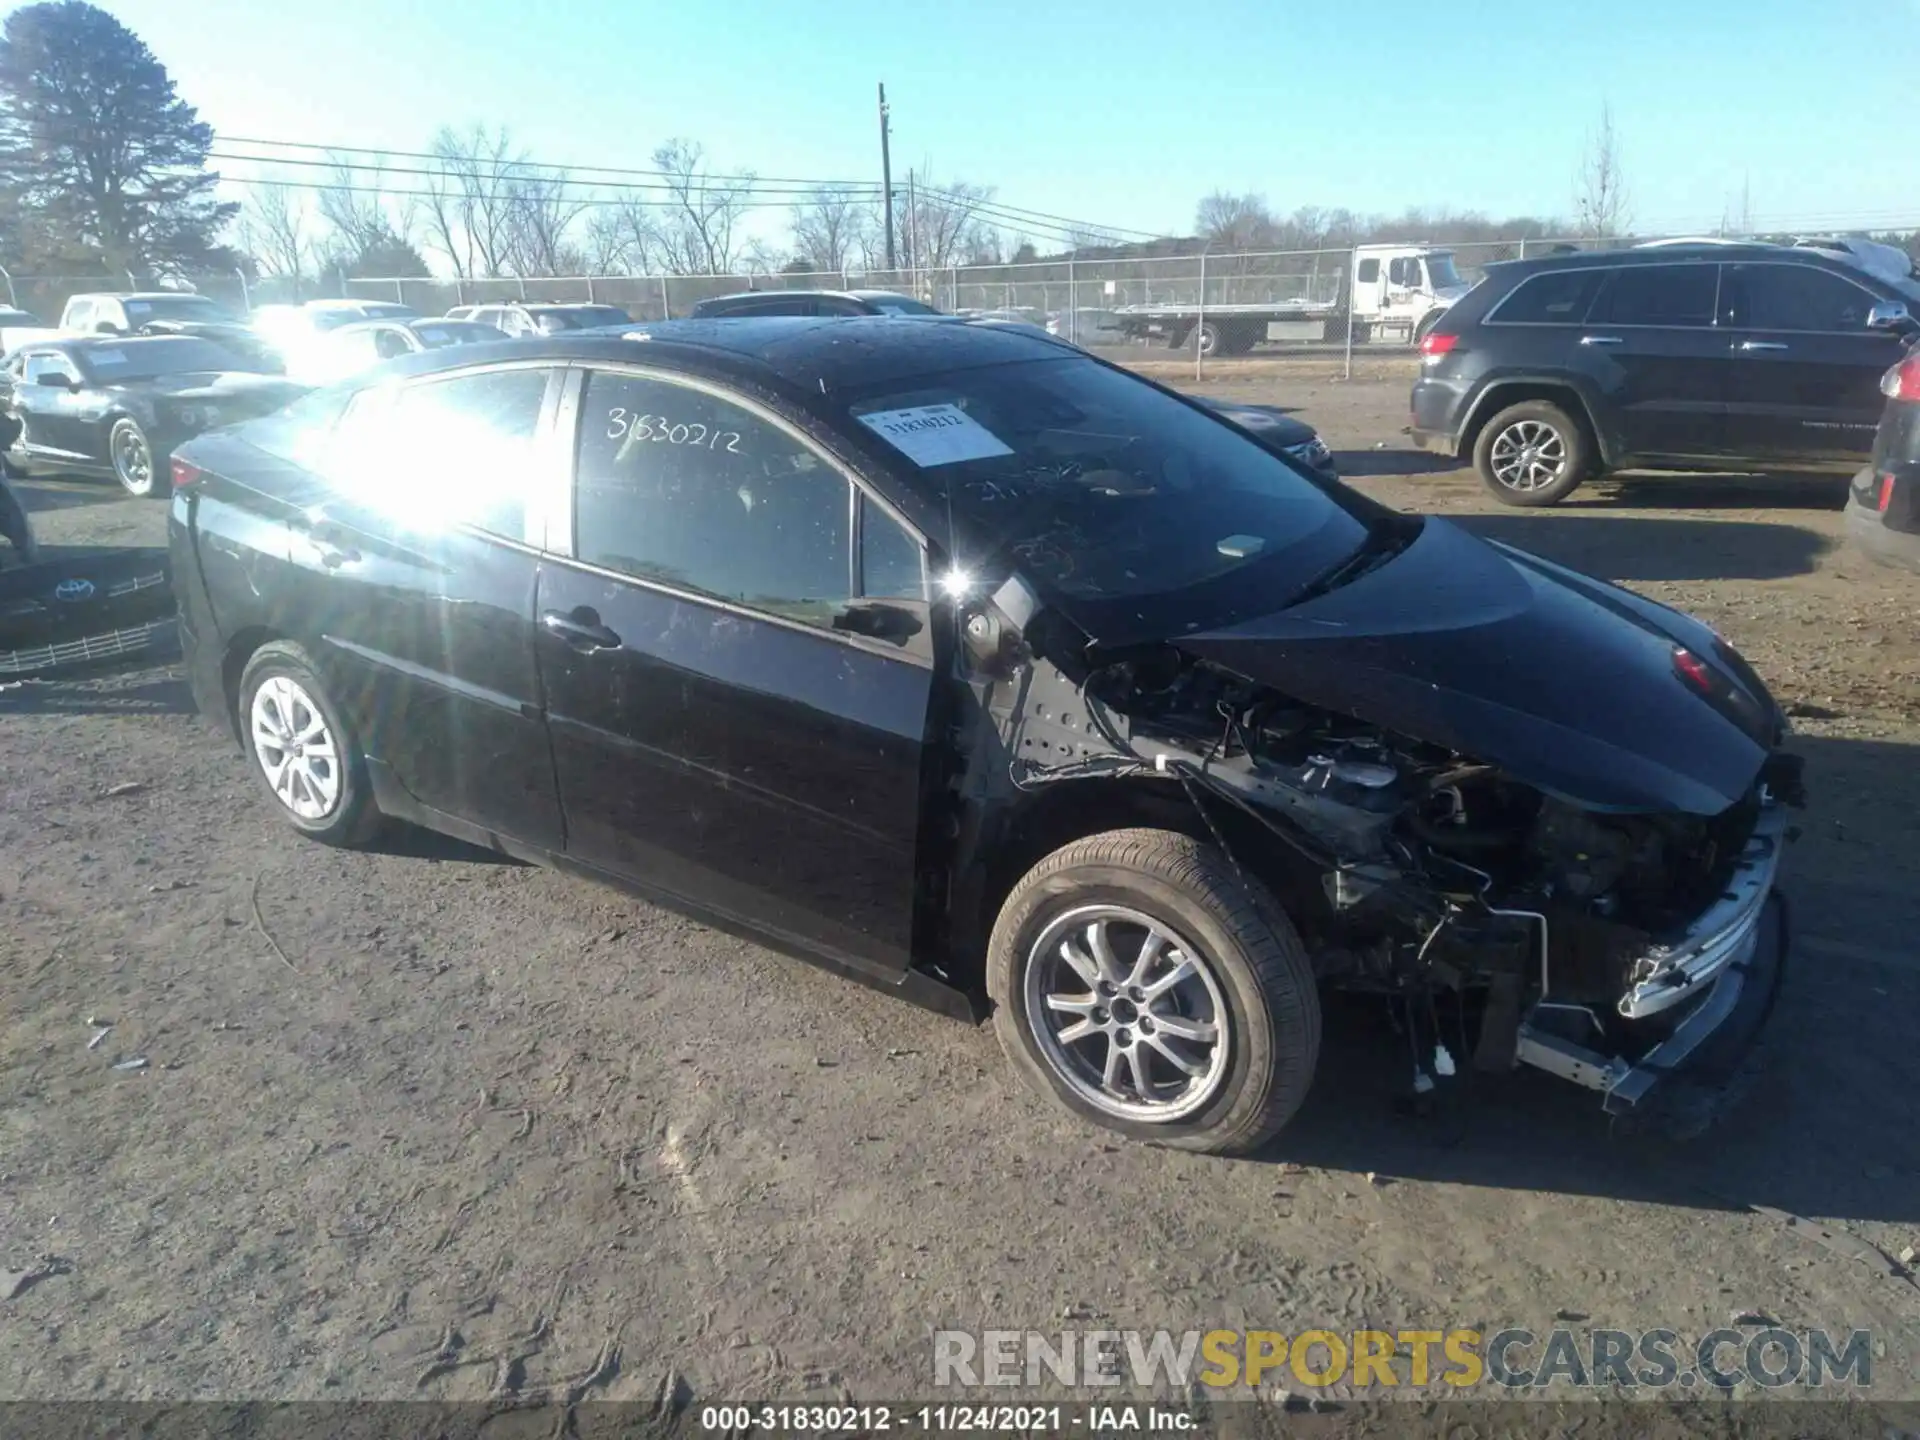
[(961, 662), (518, 319), (1883, 512), (811, 302), (117, 408), (166, 312), (1690, 357)]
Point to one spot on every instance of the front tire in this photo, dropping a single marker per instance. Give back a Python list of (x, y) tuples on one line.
[(133, 460), (1532, 454), (1145, 986), (301, 750)]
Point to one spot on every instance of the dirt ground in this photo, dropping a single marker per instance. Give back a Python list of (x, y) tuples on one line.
[(424, 1124)]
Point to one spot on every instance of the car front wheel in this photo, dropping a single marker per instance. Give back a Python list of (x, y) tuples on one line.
[(1532, 454), (302, 750), (1147, 987)]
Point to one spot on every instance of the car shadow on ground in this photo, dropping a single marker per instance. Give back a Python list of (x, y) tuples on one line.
[(410, 842), (1373, 464), (1716, 492), (1827, 1128), (1645, 547)]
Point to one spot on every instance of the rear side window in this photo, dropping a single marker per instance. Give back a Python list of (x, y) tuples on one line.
[(1558, 297), (446, 450), (1795, 297), (1369, 271), (1676, 296), (685, 487)]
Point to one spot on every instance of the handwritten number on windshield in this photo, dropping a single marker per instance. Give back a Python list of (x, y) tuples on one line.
[(658, 428)]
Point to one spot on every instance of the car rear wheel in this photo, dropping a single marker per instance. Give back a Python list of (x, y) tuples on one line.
[(132, 456), (301, 749), (1532, 454), (1147, 987)]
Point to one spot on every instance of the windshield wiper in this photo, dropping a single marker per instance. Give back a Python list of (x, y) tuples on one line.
[(1385, 539)]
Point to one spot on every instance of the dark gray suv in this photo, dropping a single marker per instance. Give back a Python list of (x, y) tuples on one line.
[(1709, 357)]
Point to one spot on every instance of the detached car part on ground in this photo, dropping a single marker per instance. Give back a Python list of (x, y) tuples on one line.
[(66, 615), (1079, 700), (117, 408)]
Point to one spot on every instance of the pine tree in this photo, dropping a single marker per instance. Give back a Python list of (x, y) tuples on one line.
[(108, 165)]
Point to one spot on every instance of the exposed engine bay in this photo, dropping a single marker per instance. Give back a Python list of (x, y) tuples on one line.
[(1411, 869)]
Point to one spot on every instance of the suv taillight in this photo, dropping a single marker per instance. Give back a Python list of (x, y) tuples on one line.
[(1902, 382), (1883, 491), (1432, 347), (186, 474)]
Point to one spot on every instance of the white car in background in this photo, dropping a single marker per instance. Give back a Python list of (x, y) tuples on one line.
[(363, 344), (292, 330)]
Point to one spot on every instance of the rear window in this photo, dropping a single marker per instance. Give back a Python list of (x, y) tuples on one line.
[(1558, 297)]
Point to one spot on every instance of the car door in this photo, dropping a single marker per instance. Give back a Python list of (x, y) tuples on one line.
[(1663, 368), (735, 645), (50, 408), (414, 572), (1806, 367)]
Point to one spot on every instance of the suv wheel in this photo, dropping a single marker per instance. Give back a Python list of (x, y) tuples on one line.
[(1146, 987), (1533, 453)]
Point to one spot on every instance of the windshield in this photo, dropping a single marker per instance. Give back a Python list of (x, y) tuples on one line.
[(1102, 488), (175, 307), (443, 333), (899, 305), (586, 316), (144, 359), (1440, 272)]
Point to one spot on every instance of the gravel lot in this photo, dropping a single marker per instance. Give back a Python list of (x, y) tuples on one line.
[(423, 1124)]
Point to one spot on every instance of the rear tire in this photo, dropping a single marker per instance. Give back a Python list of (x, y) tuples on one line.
[(134, 464), (1208, 1044), (301, 750), (1532, 454)]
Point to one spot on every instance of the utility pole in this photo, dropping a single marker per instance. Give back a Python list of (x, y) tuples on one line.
[(913, 224), (886, 174)]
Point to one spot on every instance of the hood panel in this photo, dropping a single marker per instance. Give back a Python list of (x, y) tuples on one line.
[(224, 385), (1567, 683)]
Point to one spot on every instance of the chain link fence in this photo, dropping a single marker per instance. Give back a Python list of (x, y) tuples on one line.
[(1334, 302)]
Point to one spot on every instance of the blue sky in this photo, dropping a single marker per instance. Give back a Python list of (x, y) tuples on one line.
[(1123, 112)]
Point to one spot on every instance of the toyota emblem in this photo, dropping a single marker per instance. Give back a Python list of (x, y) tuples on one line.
[(73, 591)]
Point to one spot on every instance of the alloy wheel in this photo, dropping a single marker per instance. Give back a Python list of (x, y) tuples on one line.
[(1127, 1013), (296, 751), (1528, 455), (132, 460)]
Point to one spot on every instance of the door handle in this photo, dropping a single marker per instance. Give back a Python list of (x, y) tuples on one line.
[(1750, 345), (580, 628), (1601, 340)]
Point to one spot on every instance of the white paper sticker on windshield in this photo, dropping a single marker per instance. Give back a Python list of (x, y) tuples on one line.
[(106, 357), (932, 435)]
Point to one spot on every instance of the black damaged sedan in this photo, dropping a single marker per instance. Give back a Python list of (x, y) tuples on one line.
[(117, 407), (970, 666)]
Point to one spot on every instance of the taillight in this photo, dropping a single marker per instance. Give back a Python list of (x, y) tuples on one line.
[(1902, 382), (186, 474), (1883, 491), (1692, 669), (1432, 347)]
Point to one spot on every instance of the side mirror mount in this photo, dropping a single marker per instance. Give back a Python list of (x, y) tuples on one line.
[(878, 621), (1890, 315)]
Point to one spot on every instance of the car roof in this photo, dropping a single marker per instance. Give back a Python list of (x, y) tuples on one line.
[(783, 293), (802, 352), (141, 295), (1704, 251)]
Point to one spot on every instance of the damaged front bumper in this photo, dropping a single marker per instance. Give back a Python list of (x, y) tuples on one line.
[(75, 613), (1723, 973)]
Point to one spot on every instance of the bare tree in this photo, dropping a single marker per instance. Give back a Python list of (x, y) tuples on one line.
[(1234, 222), (828, 228), (1600, 199), (472, 200), (944, 225), (273, 230), (610, 245), (693, 231), (359, 213), (541, 213)]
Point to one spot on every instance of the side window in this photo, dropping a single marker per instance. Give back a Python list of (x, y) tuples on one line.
[(1558, 297), (1796, 297), (80, 315), (892, 563), (455, 449), (1369, 271), (1667, 295), (41, 368), (679, 485), (390, 344), (1402, 271)]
